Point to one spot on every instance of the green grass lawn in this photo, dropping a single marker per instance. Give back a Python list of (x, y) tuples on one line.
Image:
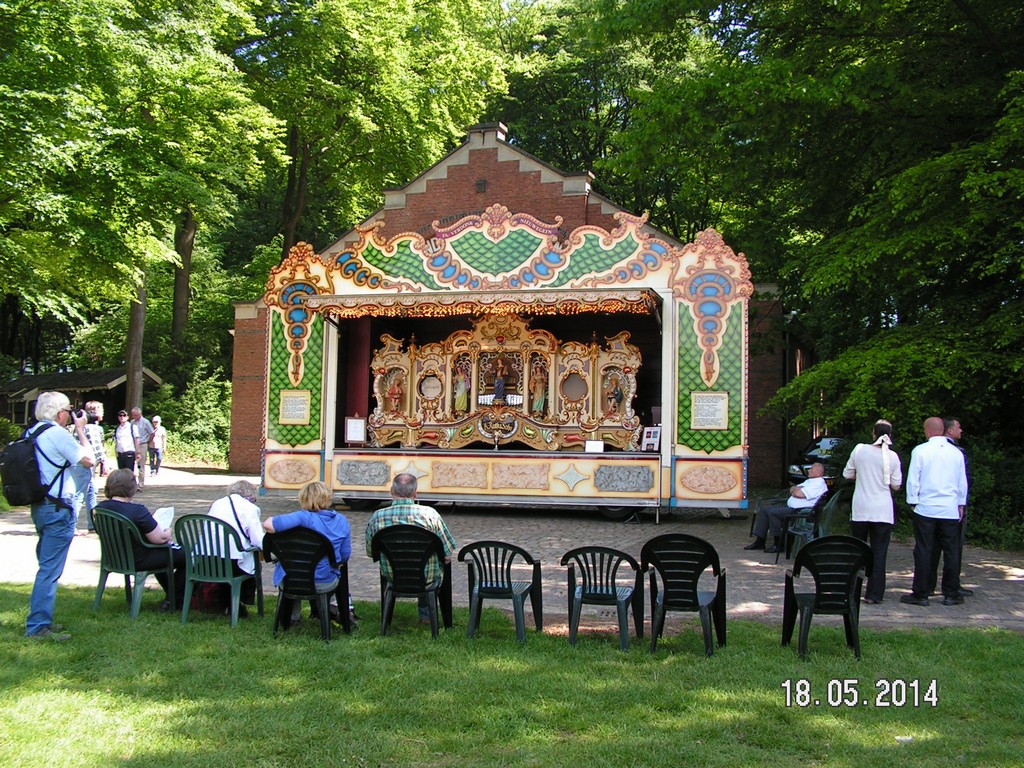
[(152, 692)]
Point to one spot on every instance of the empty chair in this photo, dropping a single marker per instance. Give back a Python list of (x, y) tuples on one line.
[(593, 579), (837, 565), (299, 550), (207, 542), (490, 565), (119, 537), (678, 560), (407, 550)]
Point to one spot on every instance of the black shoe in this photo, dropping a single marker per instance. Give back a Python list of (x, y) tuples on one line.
[(912, 600), (953, 600), (772, 549), (966, 592), (871, 601), (758, 544), (165, 606)]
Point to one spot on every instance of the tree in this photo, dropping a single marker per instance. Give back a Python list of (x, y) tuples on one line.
[(371, 93)]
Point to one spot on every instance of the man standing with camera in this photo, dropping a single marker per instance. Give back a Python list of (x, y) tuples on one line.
[(64, 465)]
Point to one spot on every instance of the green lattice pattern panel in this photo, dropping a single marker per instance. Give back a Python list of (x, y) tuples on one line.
[(405, 263), (312, 379), (490, 258), (590, 258), (730, 379)]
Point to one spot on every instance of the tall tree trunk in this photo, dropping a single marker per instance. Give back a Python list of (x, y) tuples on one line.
[(133, 349), (294, 204), (184, 242)]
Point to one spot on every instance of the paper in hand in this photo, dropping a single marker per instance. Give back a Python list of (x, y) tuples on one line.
[(164, 517)]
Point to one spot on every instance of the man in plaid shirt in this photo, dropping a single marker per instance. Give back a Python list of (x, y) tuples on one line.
[(405, 511)]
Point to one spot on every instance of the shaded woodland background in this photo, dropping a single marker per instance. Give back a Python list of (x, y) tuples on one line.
[(159, 158)]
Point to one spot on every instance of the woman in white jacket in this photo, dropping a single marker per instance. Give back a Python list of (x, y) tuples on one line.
[(877, 472)]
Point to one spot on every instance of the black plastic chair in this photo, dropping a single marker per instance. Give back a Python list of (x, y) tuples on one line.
[(678, 560), (598, 569), (299, 550), (207, 544), (837, 564), (490, 578), (118, 535), (407, 549)]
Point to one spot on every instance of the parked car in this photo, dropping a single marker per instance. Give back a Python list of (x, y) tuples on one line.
[(830, 450)]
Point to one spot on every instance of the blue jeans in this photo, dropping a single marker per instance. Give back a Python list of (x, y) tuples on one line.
[(90, 501), (56, 529)]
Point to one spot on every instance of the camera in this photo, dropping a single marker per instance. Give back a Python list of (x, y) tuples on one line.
[(79, 414)]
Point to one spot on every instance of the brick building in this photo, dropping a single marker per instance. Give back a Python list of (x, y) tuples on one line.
[(486, 171)]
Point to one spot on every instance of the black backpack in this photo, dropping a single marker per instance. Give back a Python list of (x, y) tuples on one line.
[(19, 467)]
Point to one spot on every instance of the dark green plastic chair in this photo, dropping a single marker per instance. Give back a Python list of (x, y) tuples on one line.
[(300, 550), (679, 560), (407, 550), (837, 565), (597, 569), (807, 529), (207, 543), (117, 535), (490, 565)]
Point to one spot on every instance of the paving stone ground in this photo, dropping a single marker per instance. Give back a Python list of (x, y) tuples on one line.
[(755, 582)]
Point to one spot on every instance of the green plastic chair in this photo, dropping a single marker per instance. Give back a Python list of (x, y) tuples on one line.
[(491, 577), (118, 535), (806, 530), (594, 579), (207, 543)]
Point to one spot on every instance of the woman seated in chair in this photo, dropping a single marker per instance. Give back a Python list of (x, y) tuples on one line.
[(120, 490), (238, 509), (315, 498)]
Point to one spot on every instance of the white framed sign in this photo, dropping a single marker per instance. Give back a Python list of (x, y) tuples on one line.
[(709, 410), (294, 406), (355, 430)]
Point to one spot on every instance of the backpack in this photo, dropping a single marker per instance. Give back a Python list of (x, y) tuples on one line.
[(19, 467)]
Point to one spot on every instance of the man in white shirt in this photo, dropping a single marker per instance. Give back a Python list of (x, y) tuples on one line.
[(802, 496), (124, 442), (937, 490)]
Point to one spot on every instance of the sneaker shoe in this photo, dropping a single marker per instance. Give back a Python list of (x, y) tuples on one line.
[(953, 600), (911, 600), (46, 633)]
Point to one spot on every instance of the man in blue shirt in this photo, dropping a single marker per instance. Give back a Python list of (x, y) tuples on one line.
[(67, 463)]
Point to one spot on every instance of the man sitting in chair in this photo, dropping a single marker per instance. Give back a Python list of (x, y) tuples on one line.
[(405, 511), (802, 496)]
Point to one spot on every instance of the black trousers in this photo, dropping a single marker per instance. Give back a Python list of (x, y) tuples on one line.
[(931, 533), (153, 559), (126, 460), (933, 574), (877, 536)]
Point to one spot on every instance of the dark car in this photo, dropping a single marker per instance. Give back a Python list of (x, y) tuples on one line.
[(829, 450)]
